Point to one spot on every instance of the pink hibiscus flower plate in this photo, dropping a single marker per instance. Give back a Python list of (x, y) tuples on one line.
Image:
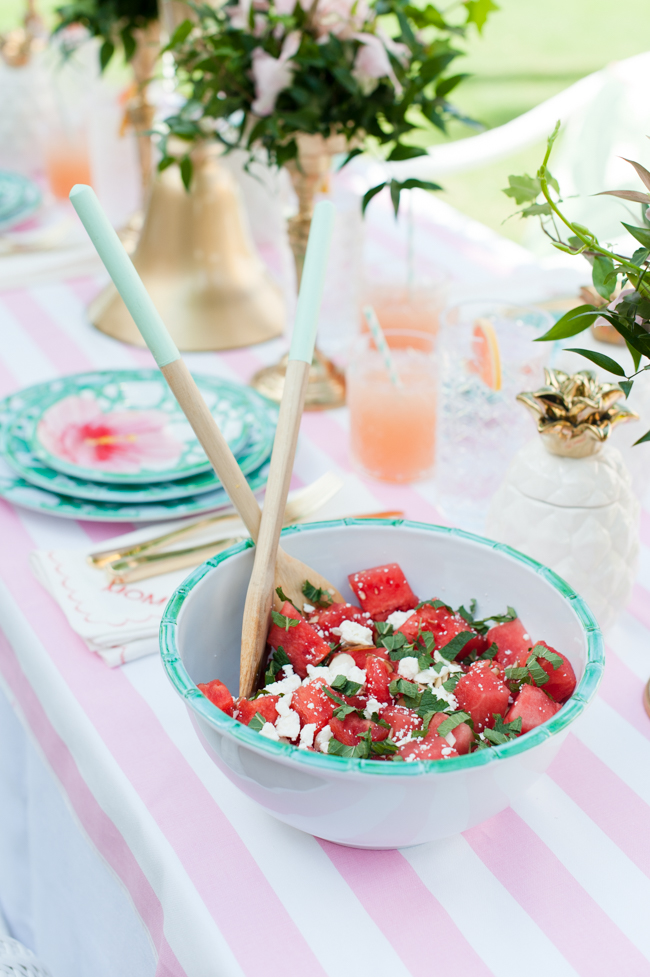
[(125, 427)]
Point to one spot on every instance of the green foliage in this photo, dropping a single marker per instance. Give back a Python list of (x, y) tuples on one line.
[(113, 21), (611, 272), (325, 92)]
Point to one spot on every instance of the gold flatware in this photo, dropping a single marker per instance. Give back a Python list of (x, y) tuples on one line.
[(141, 566), (302, 503)]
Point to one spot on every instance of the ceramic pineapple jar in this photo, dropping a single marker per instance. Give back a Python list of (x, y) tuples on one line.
[(567, 497)]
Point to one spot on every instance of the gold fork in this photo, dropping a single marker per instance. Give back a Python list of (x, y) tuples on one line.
[(302, 503), (139, 567)]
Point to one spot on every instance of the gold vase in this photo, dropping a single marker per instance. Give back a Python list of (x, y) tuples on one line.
[(309, 174), (198, 263)]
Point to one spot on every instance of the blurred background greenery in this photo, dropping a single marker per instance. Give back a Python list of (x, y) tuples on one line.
[(529, 51)]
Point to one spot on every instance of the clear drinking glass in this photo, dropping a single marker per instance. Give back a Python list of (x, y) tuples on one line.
[(393, 428), (487, 356)]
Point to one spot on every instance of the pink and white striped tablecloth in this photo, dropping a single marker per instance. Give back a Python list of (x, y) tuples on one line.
[(558, 884)]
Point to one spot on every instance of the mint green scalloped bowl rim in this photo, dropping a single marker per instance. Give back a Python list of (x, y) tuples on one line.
[(584, 693)]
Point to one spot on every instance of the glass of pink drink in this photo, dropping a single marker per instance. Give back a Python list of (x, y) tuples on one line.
[(393, 428)]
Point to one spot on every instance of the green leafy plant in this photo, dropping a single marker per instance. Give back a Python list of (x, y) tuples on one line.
[(113, 21), (622, 281), (257, 73)]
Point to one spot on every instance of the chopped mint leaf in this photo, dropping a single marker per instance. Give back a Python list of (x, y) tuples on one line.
[(484, 625), (424, 662), (383, 628), (283, 597), (436, 604), (496, 737), (333, 695), (380, 722), (426, 719), (512, 729), (257, 722), (540, 651), (427, 641), (336, 748), (284, 622), (316, 595), (345, 686), (454, 720), (516, 673), (343, 711), (409, 690), (397, 757), (383, 747), (279, 659), (536, 671), (456, 645), (430, 702), (503, 732), (466, 615), (491, 652), (393, 641), (452, 682)]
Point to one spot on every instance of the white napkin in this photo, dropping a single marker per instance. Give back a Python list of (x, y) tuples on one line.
[(120, 622)]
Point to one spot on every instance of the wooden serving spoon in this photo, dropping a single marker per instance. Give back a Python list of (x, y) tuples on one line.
[(290, 573), (261, 594)]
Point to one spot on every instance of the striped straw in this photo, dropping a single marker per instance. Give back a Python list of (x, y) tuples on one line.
[(381, 344)]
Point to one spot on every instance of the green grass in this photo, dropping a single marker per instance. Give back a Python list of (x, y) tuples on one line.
[(530, 51)]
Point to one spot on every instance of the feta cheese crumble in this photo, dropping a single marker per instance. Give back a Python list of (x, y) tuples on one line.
[(288, 721), (408, 668), (322, 739), (271, 733), (285, 686), (307, 736), (344, 665), (353, 633), (372, 706), (308, 608), (397, 618)]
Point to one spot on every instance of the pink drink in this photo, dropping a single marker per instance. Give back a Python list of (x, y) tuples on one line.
[(393, 429)]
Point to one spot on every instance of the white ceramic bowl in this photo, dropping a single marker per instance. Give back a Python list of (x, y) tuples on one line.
[(366, 803)]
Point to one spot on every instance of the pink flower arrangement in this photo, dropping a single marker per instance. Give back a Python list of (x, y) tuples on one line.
[(123, 442)]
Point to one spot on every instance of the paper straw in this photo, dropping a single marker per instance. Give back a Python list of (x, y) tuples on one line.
[(381, 344), (312, 282), (125, 278)]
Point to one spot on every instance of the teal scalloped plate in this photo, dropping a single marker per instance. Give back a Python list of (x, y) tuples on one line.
[(261, 422), (124, 427), (19, 198)]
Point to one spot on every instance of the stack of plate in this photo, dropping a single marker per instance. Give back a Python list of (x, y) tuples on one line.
[(19, 198), (114, 446)]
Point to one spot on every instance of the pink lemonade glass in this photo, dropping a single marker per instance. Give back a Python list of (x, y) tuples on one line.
[(393, 428)]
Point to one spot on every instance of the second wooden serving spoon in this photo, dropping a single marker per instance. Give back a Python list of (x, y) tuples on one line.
[(260, 595), (290, 573)]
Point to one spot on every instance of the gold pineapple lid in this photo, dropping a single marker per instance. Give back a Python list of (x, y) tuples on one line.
[(575, 414)]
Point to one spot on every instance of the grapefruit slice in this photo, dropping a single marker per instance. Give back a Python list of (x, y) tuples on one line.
[(485, 350)]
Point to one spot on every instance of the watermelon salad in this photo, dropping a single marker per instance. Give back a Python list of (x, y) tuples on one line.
[(395, 678)]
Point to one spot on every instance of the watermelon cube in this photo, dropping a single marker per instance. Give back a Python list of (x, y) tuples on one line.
[(561, 680), (301, 643), (533, 706), (402, 721), (481, 693), (349, 730), (513, 642), (332, 617), (264, 704), (430, 747), (444, 625), (382, 590), (313, 705), (219, 695), (379, 675)]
